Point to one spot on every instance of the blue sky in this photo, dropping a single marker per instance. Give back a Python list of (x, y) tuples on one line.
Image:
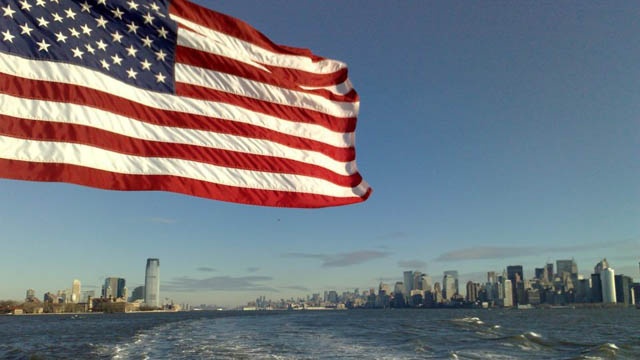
[(493, 134)]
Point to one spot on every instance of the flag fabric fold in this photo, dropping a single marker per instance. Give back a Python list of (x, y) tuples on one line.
[(171, 96)]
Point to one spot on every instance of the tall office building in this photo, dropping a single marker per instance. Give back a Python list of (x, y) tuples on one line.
[(152, 283), (408, 281), (31, 295), (566, 266), (114, 288), (456, 285), (507, 290), (515, 275), (607, 278), (448, 286), (75, 291)]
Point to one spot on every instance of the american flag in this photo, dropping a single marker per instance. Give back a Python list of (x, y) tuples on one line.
[(159, 95)]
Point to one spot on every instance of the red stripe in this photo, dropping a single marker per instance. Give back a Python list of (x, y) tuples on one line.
[(232, 26), (280, 76), (79, 134), (67, 93), (278, 110), (21, 170)]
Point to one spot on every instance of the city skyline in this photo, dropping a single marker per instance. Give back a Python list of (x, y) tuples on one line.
[(492, 133), (115, 287)]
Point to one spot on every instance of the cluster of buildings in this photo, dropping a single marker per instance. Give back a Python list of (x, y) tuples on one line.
[(114, 296), (560, 287)]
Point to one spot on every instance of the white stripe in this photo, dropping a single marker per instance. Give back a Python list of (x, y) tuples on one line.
[(257, 90), (200, 42), (79, 75), (340, 89), (261, 55), (100, 119), (83, 155)]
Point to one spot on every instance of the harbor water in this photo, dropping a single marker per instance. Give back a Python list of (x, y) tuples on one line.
[(351, 334)]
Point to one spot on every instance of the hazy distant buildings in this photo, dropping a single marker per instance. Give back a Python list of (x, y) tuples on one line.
[(152, 283)]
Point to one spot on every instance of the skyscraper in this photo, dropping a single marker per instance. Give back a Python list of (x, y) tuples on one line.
[(456, 285), (408, 281), (75, 291), (607, 277), (114, 288), (152, 283)]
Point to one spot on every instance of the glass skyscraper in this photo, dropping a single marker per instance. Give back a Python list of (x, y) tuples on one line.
[(152, 283)]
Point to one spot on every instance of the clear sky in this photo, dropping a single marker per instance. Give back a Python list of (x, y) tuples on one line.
[(493, 134)]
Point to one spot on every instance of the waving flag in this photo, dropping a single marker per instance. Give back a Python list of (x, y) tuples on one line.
[(158, 95)]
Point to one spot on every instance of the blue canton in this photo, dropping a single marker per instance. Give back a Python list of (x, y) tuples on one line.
[(133, 41)]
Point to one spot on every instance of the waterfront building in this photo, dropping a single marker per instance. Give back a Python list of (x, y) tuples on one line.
[(152, 283), (596, 288), (472, 291), (456, 285), (607, 277), (623, 289), (75, 291), (31, 295), (540, 274), (515, 275), (507, 290), (114, 288), (137, 294), (448, 287)]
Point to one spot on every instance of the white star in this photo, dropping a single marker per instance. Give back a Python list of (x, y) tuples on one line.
[(133, 27), (102, 2), (43, 46), (132, 5), (41, 3), (102, 22), (90, 49), (57, 17), (70, 14), (160, 55), (55, 1), (77, 52), (42, 22), (154, 7), (8, 11), (101, 45), (60, 37), (131, 51), (160, 78), (6, 36), (116, 37), (117, 60), (105, 64), (162, 32), (74, 32), (86, 7), (117, 13), (131, 73), (25, 5), (148, 19), (146, 41), (86, 29), (146, 65), (26, 30)]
